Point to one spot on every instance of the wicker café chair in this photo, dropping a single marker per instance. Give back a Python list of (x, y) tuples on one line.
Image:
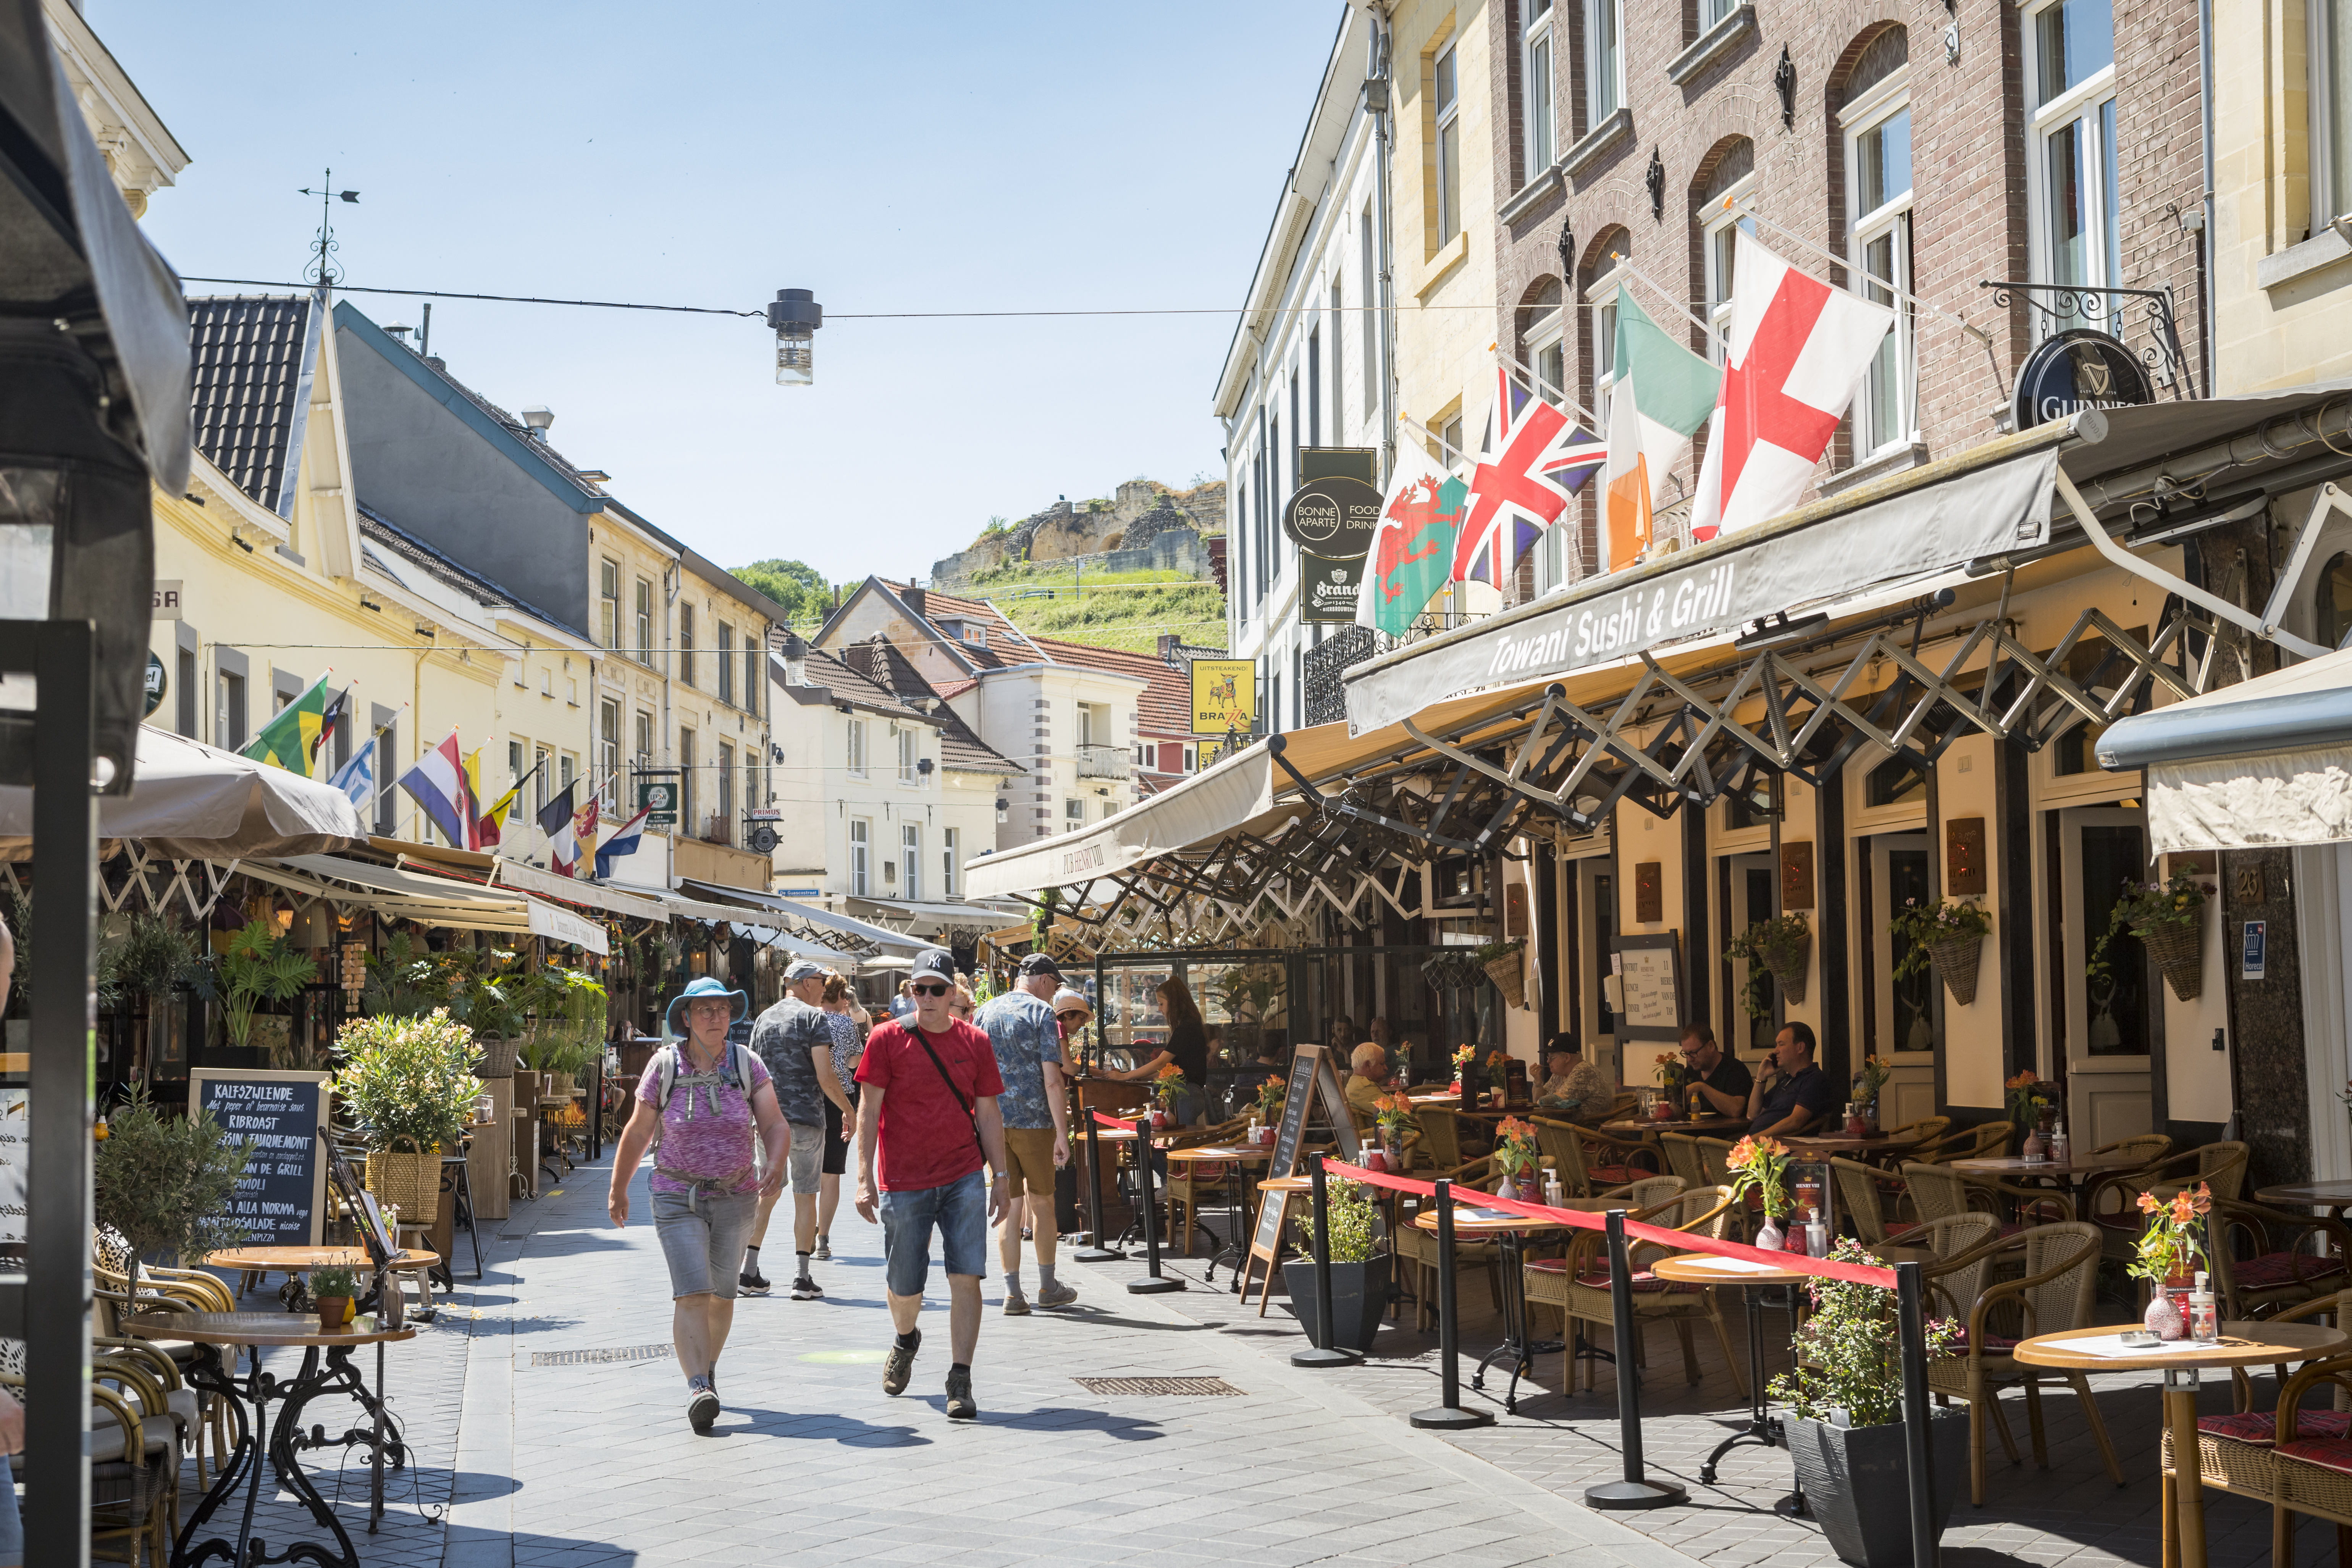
[(134, 1469), (2220, 1167), (1715, 1160), (1927, 1129), (1417, 1248), (1861, 1191), (1987, 1142), (2056, 1291), (1583, 1162), (1187, 1181), (1577, 1283), (2278, 1273), (1547, 1278), (2310, 1461), (1683, 1158)]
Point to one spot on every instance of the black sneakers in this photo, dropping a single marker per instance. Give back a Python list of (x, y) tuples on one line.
[(702, 1407), (806, 1289), (962, 1406), (900, 1365), (752, 1283)]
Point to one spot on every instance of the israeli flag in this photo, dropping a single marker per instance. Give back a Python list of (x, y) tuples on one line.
[(356, 779)]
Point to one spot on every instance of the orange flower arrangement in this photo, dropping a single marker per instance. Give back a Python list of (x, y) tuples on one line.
[(1760, 1164), (1515, 1146), (1168, 1083), (2170, 1245), (1394, 1113)]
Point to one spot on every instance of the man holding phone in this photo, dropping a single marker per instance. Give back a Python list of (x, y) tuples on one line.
[(927, 1110)]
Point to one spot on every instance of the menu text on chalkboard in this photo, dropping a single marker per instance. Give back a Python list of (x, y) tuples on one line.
[(281, 1114)]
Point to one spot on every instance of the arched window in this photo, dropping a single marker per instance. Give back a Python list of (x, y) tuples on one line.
[(2331, 603), (1874, 118), (1542, 329), (1733, 176)]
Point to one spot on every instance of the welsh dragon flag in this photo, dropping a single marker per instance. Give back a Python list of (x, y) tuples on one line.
[(1663, 394), (1413, 552)]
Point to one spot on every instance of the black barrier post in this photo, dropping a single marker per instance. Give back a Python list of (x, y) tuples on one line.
[(1636, 1489), (1322, 1354), (1095, 1252), (1155, 1283), (1911, 1309), (1448, 1415)]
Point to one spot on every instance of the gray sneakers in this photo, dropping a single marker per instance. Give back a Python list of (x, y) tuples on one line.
[(962, 1406), (1016, 1305), (1055, 1295), (900, 1365)]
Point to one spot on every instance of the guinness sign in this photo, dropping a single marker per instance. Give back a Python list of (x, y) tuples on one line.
[(2078, 370), (1335, 517)]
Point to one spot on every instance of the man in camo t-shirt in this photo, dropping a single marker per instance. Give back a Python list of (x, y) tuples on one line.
[(1022, 1030), (794, 1039)]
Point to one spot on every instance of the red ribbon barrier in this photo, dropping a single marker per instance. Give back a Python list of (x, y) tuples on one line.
[(1126, 1125), (1682, 1240)]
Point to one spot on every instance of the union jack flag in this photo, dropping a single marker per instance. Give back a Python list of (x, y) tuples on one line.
[(1529, 462)]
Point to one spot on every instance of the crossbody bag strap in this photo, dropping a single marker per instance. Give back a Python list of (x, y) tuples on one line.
[(970, 1115)]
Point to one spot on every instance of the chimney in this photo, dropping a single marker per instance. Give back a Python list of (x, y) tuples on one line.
[(915, 599), (795, 652), (1168, 642)]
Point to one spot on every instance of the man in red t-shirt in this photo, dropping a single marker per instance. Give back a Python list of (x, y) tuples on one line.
[(928, 1106)]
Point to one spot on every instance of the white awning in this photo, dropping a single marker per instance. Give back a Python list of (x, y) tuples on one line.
[(427, 899), (189, 801), (881, 936), (928, 916), (2264, 763)]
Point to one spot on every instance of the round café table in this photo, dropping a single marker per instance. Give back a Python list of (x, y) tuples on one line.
[(1234, 1157), (1510, 1231), (1633, 1129), (2332, 1196), (210, 1331), (2241, 1345), (2075, 1172)]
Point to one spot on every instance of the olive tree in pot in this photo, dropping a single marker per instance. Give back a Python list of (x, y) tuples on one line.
[(1846, 1432), (153, 960), (1359, 1270), (409, 1084), (166, 1184)]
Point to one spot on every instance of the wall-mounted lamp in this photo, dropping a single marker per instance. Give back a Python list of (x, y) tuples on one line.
[(1784, 81)]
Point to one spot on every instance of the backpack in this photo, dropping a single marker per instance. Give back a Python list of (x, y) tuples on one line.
[(733, 1068)]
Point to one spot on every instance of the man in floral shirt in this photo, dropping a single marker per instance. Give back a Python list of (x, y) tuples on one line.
[(1027, 1040)]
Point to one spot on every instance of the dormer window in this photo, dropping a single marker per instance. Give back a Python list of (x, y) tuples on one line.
[(964, 631), (976, 636)]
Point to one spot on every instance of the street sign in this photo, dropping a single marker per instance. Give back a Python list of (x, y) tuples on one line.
[(658, 797), (167, 601), (1328, 590), (158, 683), (2078, 370), (1224, 695)]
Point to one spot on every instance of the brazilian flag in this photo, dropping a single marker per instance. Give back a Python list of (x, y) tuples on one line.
[(290, 740)]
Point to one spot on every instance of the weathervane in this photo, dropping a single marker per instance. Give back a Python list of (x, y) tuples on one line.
[(322, 268)]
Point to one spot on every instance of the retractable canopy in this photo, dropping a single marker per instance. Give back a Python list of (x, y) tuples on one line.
[(194, 802)]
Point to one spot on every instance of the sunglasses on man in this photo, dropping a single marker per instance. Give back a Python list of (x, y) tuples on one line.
[(936, 990), (1073, 1015)]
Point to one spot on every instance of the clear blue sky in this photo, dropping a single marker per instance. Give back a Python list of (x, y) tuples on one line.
[(890, 157)]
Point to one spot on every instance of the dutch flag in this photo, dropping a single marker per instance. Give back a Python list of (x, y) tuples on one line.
[(622, 842)]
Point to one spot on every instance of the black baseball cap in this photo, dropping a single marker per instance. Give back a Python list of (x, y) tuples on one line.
[(936, 961), (1040, 963)]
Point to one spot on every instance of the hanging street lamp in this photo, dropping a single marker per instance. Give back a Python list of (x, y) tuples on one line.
[(795, 315)]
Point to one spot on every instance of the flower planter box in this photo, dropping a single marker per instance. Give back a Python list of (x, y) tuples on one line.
[(1360, 1300), (1856, 1482)]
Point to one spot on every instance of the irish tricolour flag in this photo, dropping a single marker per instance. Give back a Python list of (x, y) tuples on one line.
[(1663, 394)]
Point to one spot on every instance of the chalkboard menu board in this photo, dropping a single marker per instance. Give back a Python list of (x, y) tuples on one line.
[(1266, 1245), (282, 1198)]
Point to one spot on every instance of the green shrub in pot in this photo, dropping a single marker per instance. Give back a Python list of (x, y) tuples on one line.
[(260, 966), (164, 1183), (409, 1084), (1359, 1270)]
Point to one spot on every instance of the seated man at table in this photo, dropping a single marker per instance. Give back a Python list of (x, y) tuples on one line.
[(1575, 1084), (1722, 1081), (1796, 1095), (1367, 1077)]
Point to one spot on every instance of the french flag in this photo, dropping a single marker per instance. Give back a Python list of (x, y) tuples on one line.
[(622, 842)]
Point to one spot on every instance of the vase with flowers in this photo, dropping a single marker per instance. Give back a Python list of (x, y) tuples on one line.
[(2167, 1252), (1867, 1082), (1392, 1115), (1465, 1058), (1761, 1165), (1167, 1087), (1674, 1072), (1498, 1077), (2031, 1101), (1514, 1154)]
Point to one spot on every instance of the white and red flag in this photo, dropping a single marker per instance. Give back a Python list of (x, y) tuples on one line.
[(1531, 459), (1798, 350)]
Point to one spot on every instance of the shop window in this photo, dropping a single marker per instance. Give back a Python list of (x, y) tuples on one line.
[(1913, 1023), (2332, 602), (1898, 781), (2116, 999)]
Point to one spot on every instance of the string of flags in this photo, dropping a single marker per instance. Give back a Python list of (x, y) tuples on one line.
[(1796, 353)]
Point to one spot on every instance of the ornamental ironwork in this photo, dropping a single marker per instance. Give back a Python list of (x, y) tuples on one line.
[(1327, 663), (2057, 306)]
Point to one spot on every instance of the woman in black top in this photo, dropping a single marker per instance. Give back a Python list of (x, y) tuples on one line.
[(1187, 1047)]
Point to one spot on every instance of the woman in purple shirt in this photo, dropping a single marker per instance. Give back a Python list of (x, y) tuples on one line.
[(697, 1105)]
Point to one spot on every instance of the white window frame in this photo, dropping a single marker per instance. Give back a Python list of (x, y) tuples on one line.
[(861, 851), (910, 751), (2078, 105), (1892, 219), (726, 769), (910, 844), (1716, 227), (1604, 61), (854, 751), (948, 837), (1074, 814), (1600, 294), (1538, 77), (2331, 186), (1446, 66), (608, 752), (608, 590), (1192, 758), (1548, 336)]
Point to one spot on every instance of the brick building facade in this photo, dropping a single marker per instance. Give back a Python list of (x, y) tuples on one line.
[(1992, 96)]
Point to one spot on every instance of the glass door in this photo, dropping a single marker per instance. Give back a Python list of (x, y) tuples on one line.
[(2112, 1019), (1903, 1033)]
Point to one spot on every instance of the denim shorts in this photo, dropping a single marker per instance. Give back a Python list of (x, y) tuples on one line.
[(959, 1209), (12, 1525), (805, 1162), (701, 1234)]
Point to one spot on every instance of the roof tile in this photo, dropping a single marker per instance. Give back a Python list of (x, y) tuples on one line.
[(249, 356)]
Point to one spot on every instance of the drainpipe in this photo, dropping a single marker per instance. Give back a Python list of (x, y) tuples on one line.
[(1383, 38), (2205, 240)]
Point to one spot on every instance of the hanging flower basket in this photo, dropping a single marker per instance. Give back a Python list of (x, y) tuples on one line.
[(1789, 971), (2178, 950), (1955, 959), (1510, 977)]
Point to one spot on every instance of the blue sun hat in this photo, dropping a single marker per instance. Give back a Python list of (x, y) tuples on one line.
[(705, 985)]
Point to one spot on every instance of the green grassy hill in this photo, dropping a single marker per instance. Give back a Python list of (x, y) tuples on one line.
[(1127, 610)]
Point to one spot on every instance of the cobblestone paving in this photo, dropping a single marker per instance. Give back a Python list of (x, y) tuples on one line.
[(2070, 1513)]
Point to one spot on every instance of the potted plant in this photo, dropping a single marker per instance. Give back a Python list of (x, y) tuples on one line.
[(334, 1288), (566, 1028), (1951, 936), (1504, 967), (1761, 1165), (1867, 1081), (1845, 1395), (1779, 947), (1514, 1153), (409, 1084), (2167, 1255), (153, 960), (164, 1183), (260, 966), (2168, 918), (1270, 1096), (1360, 1268)]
